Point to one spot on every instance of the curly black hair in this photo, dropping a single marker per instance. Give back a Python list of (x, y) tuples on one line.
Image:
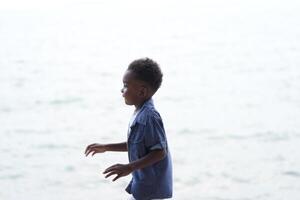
[(148, 71)]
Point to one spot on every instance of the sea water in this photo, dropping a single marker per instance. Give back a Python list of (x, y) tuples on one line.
[(230, 98)]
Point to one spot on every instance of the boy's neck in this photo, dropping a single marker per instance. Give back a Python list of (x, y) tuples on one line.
[(140, 104)]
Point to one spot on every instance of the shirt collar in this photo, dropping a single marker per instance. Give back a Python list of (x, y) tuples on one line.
[(141, 117), (148, 103)]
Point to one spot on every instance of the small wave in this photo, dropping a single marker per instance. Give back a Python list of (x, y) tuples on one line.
[(186, 131), (292, 173), (51, 146), (236, 179), (65, 101), (11, 176), (69, 168), (20, 61), (192, 131), (5, 110), (220, 198), (268, 136), (240, 180), (30, 131)]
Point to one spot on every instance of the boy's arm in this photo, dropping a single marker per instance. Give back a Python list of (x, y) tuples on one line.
[(151, 158), (101, 148), (116, 146), (123, 170)]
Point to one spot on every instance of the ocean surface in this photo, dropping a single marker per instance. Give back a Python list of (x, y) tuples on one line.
[(230, 98)]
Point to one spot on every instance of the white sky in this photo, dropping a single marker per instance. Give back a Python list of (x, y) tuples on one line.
[(57, 4), (41, 4)]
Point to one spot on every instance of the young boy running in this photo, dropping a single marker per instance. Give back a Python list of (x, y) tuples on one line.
[(149, 156)]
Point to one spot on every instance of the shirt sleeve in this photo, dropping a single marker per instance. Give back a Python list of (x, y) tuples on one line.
[(155, 134)]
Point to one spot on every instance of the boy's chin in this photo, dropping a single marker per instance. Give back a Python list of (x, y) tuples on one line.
[(128, 103)]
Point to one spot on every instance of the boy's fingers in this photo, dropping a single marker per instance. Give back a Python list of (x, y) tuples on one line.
[(110, 169), (89, 147), (111, 173), (88, 152), (91, 150), (117, 177), (107, 170)]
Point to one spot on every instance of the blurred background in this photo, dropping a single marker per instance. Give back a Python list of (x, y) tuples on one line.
[(230, 98)]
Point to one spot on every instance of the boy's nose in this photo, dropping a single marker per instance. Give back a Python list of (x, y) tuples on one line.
[(122, 90)]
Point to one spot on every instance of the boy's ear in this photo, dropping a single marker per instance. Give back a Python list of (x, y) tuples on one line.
[(144, 91)]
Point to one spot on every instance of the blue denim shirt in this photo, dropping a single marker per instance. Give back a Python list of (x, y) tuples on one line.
[(146, 134)]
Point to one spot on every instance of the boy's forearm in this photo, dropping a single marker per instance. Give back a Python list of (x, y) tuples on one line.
[(116, 147), (153, 157)]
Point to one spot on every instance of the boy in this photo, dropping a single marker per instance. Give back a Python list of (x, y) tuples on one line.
[(148, 152)]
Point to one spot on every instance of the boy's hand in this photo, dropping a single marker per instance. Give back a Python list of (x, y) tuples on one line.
[(95, 148), (118, 169)]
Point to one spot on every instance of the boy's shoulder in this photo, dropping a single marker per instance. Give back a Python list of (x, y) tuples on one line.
[(147, 114)]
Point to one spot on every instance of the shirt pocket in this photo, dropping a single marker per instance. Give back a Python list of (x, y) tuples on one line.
[(136, 144)]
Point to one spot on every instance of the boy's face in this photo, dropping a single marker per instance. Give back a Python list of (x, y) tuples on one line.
[(133, 89)]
